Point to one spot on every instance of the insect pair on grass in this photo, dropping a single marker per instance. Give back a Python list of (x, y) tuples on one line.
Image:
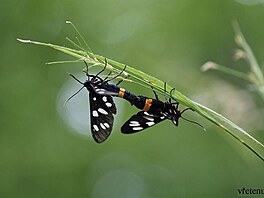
[(102, 106)]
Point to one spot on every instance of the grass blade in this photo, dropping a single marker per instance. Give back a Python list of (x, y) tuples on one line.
[(235, 131)]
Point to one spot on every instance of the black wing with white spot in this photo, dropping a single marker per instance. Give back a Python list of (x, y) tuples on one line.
[(141, 121), (102, 109), (103, 91)]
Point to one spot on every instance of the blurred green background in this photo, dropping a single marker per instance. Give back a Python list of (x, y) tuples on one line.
[(46, 149)]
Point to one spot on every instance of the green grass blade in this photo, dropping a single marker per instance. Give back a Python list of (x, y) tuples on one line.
[(241, 41), (226, 70), (79, 34), (235, 131)]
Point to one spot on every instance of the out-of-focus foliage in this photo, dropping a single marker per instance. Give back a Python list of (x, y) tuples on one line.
[(41, 155)]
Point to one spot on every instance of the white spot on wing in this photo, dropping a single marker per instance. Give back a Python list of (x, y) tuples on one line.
[(106, 125), (94, 98), (137, 128), (149, 118), (104, 98), (146, 113), (95, 127), (102, 111), (150, 123), (102, 125), (134, 123), (95, 113), (100, 91), (108, 104)]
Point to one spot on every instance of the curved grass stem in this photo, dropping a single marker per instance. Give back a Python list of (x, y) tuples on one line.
[(144, 79)]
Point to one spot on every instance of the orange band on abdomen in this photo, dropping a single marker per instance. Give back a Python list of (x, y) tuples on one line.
[(121, 92), (148, 104)]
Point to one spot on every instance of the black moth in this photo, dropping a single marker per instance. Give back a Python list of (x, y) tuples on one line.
[(102, 106), (157, 112)]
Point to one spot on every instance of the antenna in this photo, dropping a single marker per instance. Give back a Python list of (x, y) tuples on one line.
[(75, 92), (194, 123), (191, 120), (76, 79), (72, 96)]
